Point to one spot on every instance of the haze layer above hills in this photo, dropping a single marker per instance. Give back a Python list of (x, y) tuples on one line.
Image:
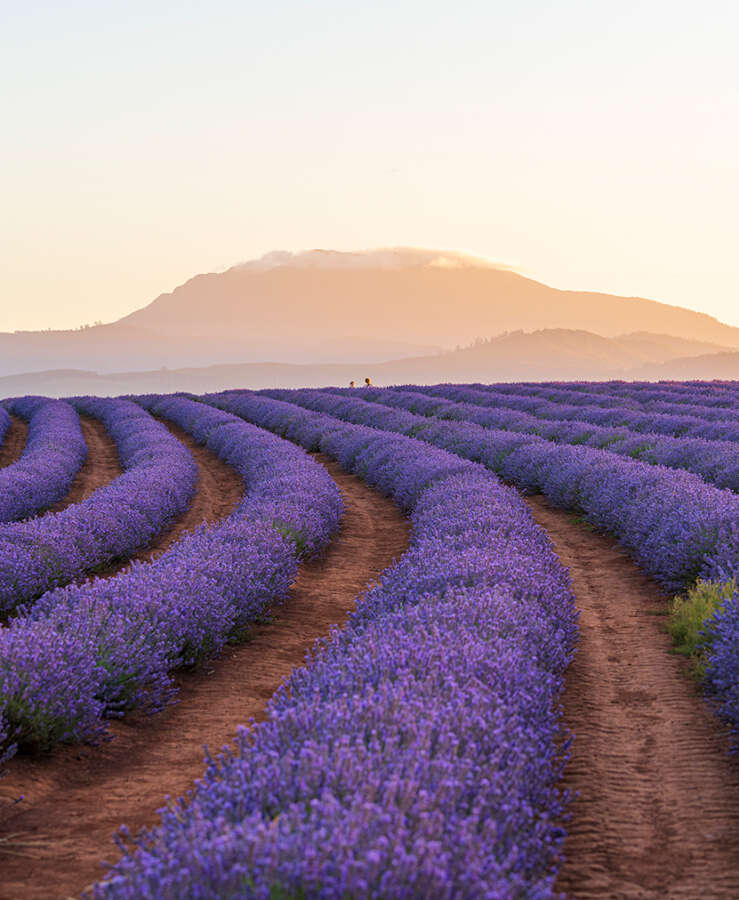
[(395, 310), (547, 355)]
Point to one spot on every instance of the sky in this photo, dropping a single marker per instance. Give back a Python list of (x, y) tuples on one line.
[(590, 145)]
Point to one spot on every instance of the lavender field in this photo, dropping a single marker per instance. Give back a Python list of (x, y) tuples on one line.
[(428, 746)]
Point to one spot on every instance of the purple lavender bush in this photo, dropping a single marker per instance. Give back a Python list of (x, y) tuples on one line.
[(5, 423), (671, 521), (676, 527), (722, 666), (6, 748), (717, 462), (682, 425), (287, 489), (54, 452), (96, 650), (644, 397), (111, 524), (418, 752)]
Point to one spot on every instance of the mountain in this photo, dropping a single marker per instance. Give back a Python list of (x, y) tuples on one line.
[(659, 348), (544, 355), (330, 307), (420, 296), (720, 366)]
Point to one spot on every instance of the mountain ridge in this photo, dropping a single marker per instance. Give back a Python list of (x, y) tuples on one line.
[(516, 356), (394, 302)]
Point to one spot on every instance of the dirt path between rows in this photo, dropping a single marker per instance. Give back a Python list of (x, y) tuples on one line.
[(14, 442), (101, 465), (658, 807), (76, 799), (218, 489)]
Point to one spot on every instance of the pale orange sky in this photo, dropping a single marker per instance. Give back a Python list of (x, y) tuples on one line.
[(589, 146)]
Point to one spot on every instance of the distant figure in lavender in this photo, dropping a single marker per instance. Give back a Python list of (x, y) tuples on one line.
[(351, 384), (367, 382)]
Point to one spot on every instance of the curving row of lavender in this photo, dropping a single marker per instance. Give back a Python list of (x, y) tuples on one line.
[(5, 423), (87, 652), (111, 524), (676, 526), (617, 395), (54, 452), (682, 425), (284, 487), (416, 754), (722, 665), (717, 462), (709, 393)]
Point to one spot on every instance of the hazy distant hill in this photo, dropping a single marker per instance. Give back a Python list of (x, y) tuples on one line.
[(331, 307), (722, 366), (657, 348), (123, 347), (549, 354), (414, 295)]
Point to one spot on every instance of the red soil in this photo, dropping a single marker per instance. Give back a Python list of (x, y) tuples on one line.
[(76, 798), (101, 466), (219, 488), (14, 442), (658, 807)]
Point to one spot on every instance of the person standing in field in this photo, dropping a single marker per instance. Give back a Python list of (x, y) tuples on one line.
[(367, 382), (351, 384)]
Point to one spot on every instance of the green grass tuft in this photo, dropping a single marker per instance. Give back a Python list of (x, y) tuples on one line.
[(688, 615)]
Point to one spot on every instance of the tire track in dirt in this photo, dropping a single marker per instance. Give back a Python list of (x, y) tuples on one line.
[(658, 807), (14, 443), (76, 799)]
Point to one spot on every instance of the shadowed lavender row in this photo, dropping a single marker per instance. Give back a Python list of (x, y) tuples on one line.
[(114, 521), (416, 755), (717, 462), (650, 398), (645, 422), (722, 663), (676, 526), (5, 423), (91, 651), (54, 452)]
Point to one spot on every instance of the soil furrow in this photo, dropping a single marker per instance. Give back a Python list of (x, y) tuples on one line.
[(14, 443), (101, 465), (658, 808), (76, 799), (219, 488)]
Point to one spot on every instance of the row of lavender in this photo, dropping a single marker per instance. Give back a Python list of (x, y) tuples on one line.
[(674, 424), (716, 462), (87, 652), (54, 452), (111, 524), (677, 527), (5, 423), (416, 755), (654, 398)]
